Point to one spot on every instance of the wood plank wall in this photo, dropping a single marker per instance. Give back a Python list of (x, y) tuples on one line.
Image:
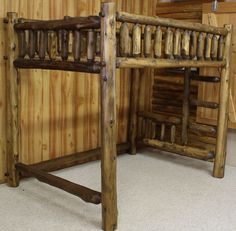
[(59, 111)]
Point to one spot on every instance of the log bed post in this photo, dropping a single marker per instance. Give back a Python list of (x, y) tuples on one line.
[(221, 142), (12, 105), (108, 116), (134, 92)]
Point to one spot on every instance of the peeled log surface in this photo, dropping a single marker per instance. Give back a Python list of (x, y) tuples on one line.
[(157, 21), (165, 63), (86, 194), (91, 22), (124, 38), (160, 118), (158, 43), (197, 153), (87, 67)]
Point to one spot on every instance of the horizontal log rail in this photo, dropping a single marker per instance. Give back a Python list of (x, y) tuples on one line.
[(165, 63), (160, 117), (91, 22), (192, 152), (86, 194), (200, 103), (207, 79), (87, 67), (75, 159), (157, 21), (203, 128)]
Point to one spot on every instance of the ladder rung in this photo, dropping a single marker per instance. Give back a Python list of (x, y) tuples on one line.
[(200, 103)]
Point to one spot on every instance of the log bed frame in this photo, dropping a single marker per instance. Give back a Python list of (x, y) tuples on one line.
[(143, 42)]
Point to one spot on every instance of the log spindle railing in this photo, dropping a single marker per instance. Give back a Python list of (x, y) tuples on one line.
[(168, 43)]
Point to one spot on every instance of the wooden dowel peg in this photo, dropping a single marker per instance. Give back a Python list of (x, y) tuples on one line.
[(136, 40), (124, 40), (158, 43), (147, 41), (169, 43), (177, 44)]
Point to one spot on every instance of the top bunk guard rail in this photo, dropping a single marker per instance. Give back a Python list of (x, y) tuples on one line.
[(68, 23), (157, 21), (155, 42)]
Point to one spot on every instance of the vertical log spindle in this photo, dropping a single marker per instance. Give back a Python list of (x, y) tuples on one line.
[(208, 47), (177, 44), (91, 45), (201, 46), (98, 43), (214, 47), (147, 41), (163, 130), (42, 44), (64, 44), (136, 39), (173, 134), (221, 48), (77, 45), (124, 44), (186, 104), (186, 44), (169, 43), (193, 45), (32, 43), (158, 43), (52, 45), (22, 44)]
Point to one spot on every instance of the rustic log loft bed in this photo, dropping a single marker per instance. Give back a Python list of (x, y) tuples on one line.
[(154, 42)]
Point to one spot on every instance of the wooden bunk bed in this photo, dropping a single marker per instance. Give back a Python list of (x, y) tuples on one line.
[(154, 42)]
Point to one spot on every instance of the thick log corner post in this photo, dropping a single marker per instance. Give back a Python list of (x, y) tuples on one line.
[(223, 115), (12, 103), (108, 116)]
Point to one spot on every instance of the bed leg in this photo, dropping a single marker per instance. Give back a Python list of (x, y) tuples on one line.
[(12, 104), (108, 116), (134, 91), (221, 142)]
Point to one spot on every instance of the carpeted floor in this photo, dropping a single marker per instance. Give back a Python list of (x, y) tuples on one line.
[(155, 193)]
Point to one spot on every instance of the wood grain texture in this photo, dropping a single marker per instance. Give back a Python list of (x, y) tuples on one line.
[(60, 110), (210, 92)]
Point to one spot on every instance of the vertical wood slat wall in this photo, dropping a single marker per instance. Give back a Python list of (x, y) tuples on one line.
[(59, 111)]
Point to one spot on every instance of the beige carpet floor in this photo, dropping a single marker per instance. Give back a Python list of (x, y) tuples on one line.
[(156, 192)]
